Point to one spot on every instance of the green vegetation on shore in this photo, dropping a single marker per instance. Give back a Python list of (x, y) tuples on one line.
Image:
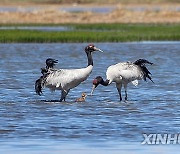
[(95, 33)]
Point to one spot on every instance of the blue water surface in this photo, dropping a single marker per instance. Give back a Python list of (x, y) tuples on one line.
[(41, 124)]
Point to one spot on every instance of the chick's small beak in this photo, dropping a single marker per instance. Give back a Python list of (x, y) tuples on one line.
[(97, 49), (93, 88)]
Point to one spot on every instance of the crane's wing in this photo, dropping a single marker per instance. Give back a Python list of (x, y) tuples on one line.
[(126, 71), (68, 78)]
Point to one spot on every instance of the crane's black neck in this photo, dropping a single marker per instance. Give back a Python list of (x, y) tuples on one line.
[(104, 83), (90, 60)]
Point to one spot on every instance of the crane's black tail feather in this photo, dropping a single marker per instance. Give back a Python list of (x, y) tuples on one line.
[(146, 73), (38, 86), (141, 63)]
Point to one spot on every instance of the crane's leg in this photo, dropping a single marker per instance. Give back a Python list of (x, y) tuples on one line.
[(63, 95), (119, 86), (125, 88), (66, 94)]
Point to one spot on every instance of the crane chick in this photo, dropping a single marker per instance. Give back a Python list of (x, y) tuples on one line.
[(82, 98)]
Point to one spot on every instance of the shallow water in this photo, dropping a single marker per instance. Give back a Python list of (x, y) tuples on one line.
[(19, 9), (41, 124), (37, 28), (93, 9), (97, 9)]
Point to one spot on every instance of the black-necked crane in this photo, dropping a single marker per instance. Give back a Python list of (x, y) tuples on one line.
[(124, 73), (66, 79)]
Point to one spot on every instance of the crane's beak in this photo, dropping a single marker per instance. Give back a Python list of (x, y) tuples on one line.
[(55, 61), (97, 49), (93, 88)]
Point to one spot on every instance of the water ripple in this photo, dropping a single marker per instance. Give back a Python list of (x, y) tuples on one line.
[(151, 108)]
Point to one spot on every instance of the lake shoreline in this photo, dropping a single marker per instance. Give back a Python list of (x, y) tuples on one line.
[(90, 33)]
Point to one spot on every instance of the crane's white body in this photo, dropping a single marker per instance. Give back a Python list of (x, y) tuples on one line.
[(123, 73), (66, 79)]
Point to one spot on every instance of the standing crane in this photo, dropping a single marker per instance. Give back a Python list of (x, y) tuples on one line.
[(124, 73), (66, 79)]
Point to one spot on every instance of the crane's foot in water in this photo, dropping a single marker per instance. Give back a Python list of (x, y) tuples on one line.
[(126, 98)]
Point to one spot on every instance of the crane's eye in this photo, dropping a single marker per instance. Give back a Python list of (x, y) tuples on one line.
[(91, 45)]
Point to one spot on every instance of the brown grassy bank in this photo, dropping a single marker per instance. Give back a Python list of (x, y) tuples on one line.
[(123, 13)]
